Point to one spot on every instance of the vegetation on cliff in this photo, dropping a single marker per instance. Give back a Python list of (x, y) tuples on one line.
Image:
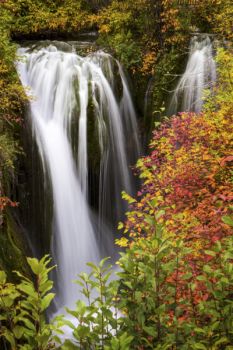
[(12, 100)]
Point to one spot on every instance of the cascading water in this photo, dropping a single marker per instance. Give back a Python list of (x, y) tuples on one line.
[(66, 88), (200, 73)]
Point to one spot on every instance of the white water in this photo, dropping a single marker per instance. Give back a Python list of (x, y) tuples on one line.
[(200, 74), (62, 85)]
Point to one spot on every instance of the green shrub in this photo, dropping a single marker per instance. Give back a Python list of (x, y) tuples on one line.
[(22, 322)]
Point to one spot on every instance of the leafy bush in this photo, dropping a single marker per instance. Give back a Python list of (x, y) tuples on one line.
[(160, 300), (22, 322), (99, 320), (187, 178)]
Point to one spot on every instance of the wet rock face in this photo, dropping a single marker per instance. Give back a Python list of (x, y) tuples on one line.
[(34, 196), (13, 247), (48, 35)]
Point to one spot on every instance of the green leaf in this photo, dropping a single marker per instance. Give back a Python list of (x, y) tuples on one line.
[(215, 325), (159, 214), (127, 197), (221, 341), (68, 345), (120, 226), (2, 277), (18, 331), (207, 269), (8, 301), (141, 318), (28, 324), (68, 323), (81, 307), (22, 276), (9, 337), (154, 202), (199, 330), (102, 262), (201, 278), (227, 220), (27, 289), (125, 341), (35, 265), (45, 287), (128, 284), (138, 296), (187, 276), (150, 330), (210, 252), (93, 266), (150, 220), (45, 302)]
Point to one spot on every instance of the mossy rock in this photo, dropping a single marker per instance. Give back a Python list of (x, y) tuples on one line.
[(13, 248)]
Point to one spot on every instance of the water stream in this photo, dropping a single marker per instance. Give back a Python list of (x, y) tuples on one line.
[(199, 74), (67, 90)]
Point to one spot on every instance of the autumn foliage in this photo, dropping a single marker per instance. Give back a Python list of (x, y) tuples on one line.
[(179, 228), (187, 178)]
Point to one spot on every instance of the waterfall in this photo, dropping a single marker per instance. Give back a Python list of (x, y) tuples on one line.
[(200, 73), (66, 89)]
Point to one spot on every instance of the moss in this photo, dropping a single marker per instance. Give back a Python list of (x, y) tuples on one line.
[(13, 248), (93, 139)]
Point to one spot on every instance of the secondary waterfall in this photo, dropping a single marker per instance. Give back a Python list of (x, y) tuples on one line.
[(200, 73), (67, 91)]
